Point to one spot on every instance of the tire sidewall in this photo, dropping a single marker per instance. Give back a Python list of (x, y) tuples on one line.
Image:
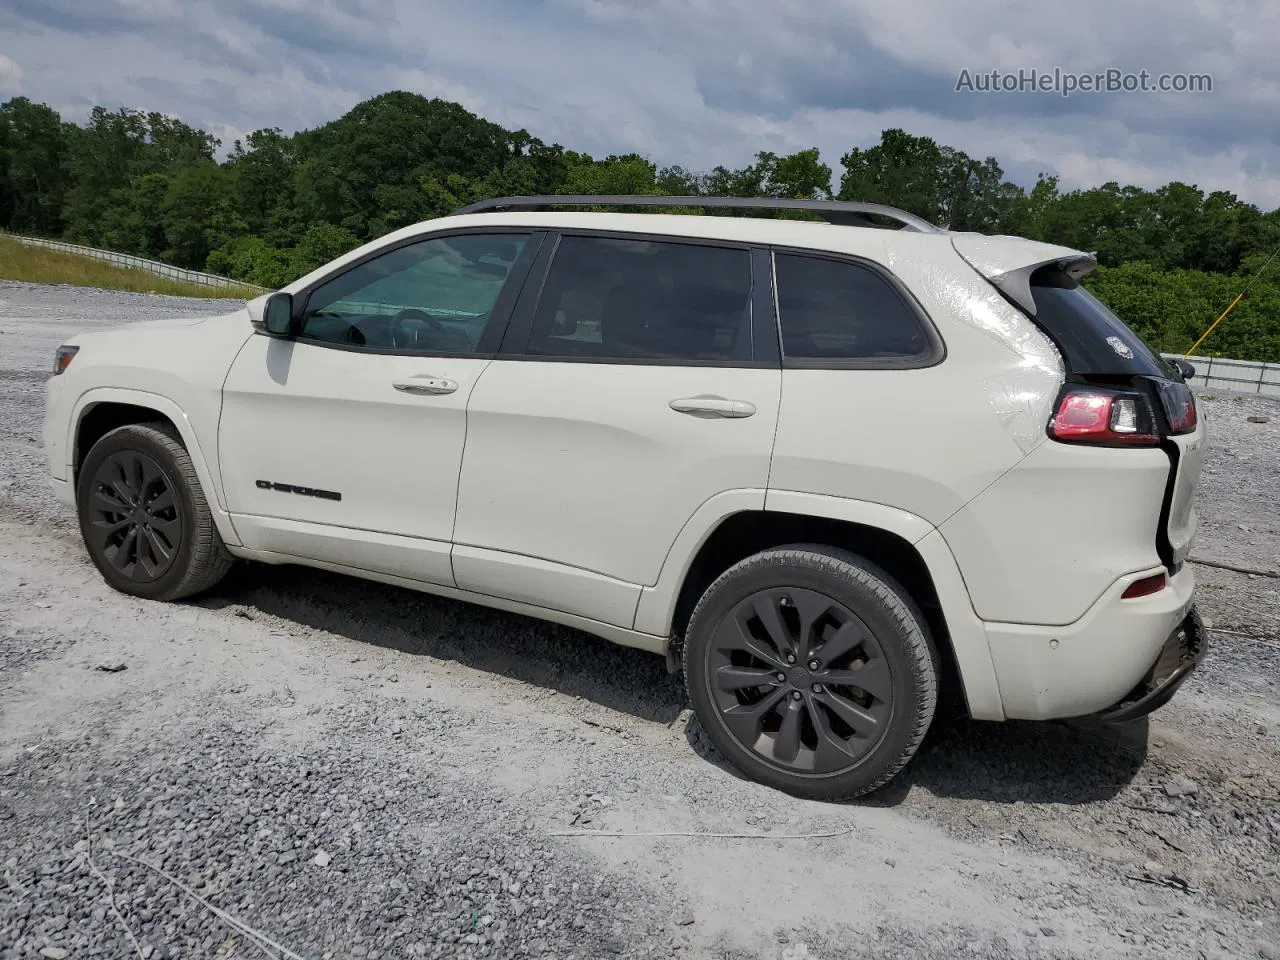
[(747, 578), (137, 440)]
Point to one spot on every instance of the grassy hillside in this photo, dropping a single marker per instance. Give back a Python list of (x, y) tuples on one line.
[(37, 265)]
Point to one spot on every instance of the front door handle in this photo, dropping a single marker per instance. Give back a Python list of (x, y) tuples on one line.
[(710, 406), (426, 386)]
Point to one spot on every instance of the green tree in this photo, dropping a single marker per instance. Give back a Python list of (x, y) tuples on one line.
[(1027, 214), (131, 217), (253, 260), (260, 177), (676, 181), (321, 243), (280, 205), (1170, 309), (796, 176), (901, 170), (629, 175), (197, 213), (33, 175), (972, 193)]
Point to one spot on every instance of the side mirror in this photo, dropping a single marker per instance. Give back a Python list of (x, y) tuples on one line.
[(1188, 371), (277, 316)]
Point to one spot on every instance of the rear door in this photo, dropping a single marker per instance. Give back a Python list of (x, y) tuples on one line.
[(639, 379)]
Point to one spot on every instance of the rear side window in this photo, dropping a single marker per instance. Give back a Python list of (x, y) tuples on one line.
[(644, 300), (1092, 338), (834, 310)]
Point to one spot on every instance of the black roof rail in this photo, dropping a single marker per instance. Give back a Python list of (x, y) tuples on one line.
[(842, 212)]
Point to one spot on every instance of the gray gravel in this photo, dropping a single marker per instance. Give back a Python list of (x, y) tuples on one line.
[(355, 770), (1240, 513)]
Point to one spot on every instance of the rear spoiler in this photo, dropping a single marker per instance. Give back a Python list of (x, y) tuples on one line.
[(1009, 262)]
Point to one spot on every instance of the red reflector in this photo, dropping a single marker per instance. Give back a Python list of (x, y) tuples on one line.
[(1144, 587)]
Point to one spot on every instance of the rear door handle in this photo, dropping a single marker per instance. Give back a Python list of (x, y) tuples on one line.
[(709, 406), (426, 386)]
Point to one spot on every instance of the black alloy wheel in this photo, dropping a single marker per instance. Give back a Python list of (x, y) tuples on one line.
[(144, 517), (800, 680), (811, 670), (135, 523)]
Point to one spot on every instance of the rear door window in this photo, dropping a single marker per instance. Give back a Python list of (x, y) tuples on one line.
[(644, 300), (1092, 338)]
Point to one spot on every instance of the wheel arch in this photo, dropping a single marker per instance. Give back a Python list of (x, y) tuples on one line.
[(906, 546), (102, 410)]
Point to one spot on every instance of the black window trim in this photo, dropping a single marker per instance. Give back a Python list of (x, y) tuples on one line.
[(499, 316), (764, 330), (937, 347)]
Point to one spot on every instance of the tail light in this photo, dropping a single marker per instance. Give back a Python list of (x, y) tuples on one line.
[(1105, 418), (1179, 406)]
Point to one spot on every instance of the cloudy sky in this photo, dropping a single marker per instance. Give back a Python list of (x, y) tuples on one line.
[(696, 82)]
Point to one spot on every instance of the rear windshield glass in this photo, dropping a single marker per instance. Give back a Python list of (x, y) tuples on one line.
[(1094, 340)]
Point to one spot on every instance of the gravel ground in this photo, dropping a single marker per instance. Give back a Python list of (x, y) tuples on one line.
[(355, 770)]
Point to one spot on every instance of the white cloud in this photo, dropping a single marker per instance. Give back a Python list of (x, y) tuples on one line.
[(695, 83), (10, 77)]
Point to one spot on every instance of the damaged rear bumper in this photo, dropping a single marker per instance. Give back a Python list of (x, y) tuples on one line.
[(1092, 665), (1182, 653)]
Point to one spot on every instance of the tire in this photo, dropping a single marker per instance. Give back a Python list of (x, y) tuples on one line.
[(811, 732), (144, 517)]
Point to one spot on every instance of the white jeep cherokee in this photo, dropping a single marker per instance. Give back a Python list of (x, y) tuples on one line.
[(826, 466)]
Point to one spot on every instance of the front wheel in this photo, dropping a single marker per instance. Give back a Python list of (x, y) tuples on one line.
[(144, 517), (812, 671)]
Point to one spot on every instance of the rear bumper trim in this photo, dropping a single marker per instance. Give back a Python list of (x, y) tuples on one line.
[(1182, 653)]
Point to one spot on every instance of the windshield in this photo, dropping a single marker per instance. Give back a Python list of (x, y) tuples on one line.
[(1092, 338)]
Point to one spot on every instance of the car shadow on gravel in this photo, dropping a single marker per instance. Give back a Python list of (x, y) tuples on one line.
[(1075, 762), (521, 648), (1017, 761)]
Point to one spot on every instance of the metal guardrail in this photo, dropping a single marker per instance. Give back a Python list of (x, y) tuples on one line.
[(157, 267), (1243, 376)]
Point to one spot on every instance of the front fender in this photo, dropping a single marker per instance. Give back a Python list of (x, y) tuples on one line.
[(175, 414)]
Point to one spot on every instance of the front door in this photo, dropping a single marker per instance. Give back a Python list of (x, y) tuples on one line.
[(344, 444)]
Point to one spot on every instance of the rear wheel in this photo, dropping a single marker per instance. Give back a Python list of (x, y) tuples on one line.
[(812, 671), (144, 517)]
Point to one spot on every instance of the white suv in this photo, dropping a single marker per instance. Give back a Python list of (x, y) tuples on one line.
[(828, 467)]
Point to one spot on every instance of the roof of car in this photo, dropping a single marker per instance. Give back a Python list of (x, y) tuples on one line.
[(883, 245)]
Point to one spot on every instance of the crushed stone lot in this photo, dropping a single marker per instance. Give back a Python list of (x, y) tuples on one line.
[(355, 770)]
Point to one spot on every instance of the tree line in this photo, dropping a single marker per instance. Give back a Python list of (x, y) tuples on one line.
[(279, 205)]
